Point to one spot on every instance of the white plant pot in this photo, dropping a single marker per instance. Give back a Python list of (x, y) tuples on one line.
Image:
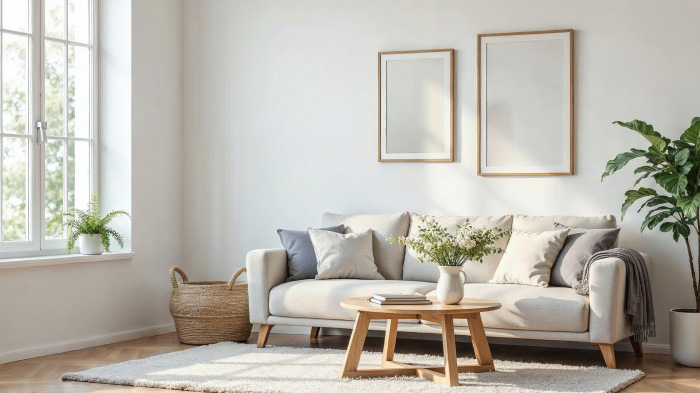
[(90, 244), (450, 287), (685, 336)]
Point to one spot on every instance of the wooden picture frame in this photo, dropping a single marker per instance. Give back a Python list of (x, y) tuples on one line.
[(408, 129), (529, 99)]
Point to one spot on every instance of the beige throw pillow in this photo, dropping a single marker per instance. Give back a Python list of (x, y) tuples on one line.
[(388, 257), (529, 258), (344, 255)]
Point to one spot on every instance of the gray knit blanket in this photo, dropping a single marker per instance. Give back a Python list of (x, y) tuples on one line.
[(640, 305)]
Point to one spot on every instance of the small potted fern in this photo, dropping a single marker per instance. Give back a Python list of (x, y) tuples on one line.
[(89, 228)]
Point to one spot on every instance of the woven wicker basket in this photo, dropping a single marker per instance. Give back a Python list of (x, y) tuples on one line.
[(207, 312)]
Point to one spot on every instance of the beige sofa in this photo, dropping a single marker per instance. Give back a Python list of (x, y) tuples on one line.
[(527, 312)]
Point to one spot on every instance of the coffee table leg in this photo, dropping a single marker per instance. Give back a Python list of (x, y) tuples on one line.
[(450, 352), (389, 340), (357, 341), (479, 341)]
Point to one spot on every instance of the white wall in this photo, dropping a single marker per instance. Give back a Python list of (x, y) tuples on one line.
[(156, 185), (57, 308), (280, 117), (115, 111)]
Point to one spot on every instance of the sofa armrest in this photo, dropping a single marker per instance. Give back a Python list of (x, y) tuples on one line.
[(266, 270), (607, 322)]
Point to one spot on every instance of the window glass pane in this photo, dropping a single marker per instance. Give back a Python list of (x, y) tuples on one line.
[(78, 92), (53, 86), (14, 189), (54, 11), (15, 83), (78, 179), (53, 186), (79, 20), (15, 15)]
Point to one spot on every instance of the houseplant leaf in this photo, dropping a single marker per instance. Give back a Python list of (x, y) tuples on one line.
[(689, 205), (635, 195), (644, 176), (672, 182), (652, 220), (680, 229), (686, 168), (647, 131), (681, 157), (655, 156), (666, 227), (645, 168), (692, 134), (647, 171), (621, 160)]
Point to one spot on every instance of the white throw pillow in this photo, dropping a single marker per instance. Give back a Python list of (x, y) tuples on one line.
[(529, 258), (344, 255)]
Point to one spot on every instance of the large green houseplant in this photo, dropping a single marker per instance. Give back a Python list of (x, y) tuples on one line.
[(674, 207)]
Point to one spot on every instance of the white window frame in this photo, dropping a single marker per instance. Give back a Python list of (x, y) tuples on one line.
[(37, 245)]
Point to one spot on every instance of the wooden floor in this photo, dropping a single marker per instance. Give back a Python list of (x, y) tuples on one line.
[(43, 374)]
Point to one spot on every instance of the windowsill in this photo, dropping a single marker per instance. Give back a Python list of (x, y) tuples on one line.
[(50, 260)]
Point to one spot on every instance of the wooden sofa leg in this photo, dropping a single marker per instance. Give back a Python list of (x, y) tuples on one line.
[(637, 346), (608, 351), (263, 335), (314, 332)]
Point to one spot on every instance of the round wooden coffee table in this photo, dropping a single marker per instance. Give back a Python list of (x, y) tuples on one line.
[(444, 315)]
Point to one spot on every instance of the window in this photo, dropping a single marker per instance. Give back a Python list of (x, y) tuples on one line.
[(48, 135)]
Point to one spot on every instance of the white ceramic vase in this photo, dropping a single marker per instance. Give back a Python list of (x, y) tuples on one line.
[(685, 336), (90, 244), (450, 286)]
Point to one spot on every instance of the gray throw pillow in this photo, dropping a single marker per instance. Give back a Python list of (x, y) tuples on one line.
[(580, 245), (301, 257)]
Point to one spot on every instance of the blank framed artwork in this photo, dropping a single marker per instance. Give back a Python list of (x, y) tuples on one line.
[(525, 104), (416, 98)]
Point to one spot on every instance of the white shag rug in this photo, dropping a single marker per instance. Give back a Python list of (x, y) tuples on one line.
[(243, 368)]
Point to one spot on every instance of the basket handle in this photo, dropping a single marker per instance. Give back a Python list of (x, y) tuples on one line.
[(173, 280), (232, 281)]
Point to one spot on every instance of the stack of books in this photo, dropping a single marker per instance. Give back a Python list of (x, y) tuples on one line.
[(399, 299)]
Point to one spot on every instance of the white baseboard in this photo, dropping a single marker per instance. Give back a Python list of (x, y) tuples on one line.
[(623, 346), (65, 346)]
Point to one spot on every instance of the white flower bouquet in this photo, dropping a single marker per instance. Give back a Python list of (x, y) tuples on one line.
[(434, 243)]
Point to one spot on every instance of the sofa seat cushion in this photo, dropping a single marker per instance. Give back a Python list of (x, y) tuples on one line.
[(524, 307), (321, 298)]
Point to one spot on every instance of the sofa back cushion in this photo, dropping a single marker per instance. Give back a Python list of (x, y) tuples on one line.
[(546, 223), (580, 245), (388, 257), (476, 272)]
